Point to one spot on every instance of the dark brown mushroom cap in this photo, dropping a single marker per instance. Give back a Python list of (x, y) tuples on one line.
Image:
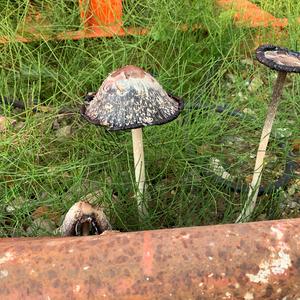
[(131, 98), (279, 59)]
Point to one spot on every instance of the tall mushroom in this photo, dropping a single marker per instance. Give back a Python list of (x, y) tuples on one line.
[(130, 98), (284, 61)]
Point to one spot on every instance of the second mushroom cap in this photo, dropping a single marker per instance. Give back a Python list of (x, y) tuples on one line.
[(279, 59)]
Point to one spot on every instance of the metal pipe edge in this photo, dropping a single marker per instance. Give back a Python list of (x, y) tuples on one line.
[(259, 260)]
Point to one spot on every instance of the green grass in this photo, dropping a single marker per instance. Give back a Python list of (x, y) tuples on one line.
[(280, 9), (39, 168)]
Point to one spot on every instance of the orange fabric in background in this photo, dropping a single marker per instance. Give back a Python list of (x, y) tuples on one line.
[(95, 13)]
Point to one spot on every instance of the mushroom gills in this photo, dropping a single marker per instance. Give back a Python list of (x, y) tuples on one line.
[(283, 58), (87, 225), (84, 219)]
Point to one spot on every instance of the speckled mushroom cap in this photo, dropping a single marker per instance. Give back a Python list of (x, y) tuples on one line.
[(131, 98), (280, 59)]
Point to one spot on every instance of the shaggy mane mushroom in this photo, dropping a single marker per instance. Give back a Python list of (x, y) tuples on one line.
[(130, 98), (283, 61)]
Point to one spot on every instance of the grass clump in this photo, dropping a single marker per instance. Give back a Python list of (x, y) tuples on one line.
[(280, 9), (52, 160)]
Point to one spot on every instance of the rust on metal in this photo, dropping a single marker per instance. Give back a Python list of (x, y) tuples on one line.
[(239, 261)]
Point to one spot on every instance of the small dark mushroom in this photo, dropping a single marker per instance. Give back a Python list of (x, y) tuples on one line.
[(284, 61), (279, 59), (130, 98), (84, 219)]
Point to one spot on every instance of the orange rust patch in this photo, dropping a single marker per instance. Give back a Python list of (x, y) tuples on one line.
[(147, 254), (124, 284)]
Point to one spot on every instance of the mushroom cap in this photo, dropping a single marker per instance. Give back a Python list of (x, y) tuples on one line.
[(84, 213), (279, 59), (131, 98)]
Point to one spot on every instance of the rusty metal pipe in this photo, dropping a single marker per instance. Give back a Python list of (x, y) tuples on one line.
[(240, 261)]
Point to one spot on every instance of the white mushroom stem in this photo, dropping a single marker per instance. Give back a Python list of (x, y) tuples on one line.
[(139, 168), (261, 152)]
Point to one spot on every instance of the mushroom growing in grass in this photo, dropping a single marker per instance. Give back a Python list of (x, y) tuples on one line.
[(284, 61), (84, 219), (130, 98)]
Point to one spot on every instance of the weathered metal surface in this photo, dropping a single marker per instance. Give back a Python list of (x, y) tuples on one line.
[(241, 261)]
